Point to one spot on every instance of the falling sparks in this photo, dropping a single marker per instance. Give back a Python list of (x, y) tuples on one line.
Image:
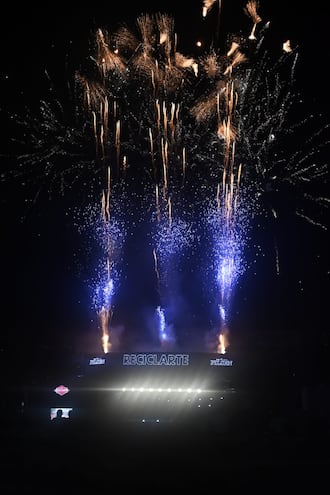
[(287, 46), (209, 136), (251, 9), (228, 224), (208, 5), (172, 238)]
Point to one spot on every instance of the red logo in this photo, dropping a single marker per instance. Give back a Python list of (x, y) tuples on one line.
[(61, 390)]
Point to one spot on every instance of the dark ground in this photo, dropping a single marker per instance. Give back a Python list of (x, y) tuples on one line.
[(245, 453)]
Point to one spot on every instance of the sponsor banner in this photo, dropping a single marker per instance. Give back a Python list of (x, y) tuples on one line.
[(161, 359)]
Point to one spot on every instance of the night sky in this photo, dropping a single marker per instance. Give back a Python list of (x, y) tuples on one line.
[(46, 307)]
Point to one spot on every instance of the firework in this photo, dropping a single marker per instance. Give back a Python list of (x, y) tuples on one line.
[(104, 227), (205, 141)]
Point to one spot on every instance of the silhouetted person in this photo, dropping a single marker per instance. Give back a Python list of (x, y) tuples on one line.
[(59, 416)]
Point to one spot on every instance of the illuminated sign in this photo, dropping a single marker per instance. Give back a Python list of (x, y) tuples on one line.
[(221, 362), (149, 359), (61, 390), (161, 359), (96, 360)]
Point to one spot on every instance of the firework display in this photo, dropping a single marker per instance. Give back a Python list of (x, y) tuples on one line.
[(192, 146)]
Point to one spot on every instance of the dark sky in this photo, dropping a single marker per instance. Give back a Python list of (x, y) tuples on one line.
[(45, 302)]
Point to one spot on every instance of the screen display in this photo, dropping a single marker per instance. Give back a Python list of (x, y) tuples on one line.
[(65, 412)]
